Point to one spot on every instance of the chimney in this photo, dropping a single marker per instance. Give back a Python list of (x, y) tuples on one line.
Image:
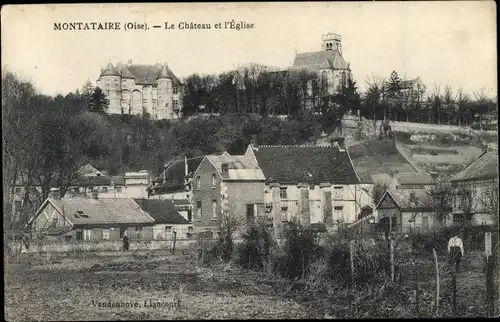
[(253, 141), (94, 194), (55, 194), (225, 170), (186, 168)]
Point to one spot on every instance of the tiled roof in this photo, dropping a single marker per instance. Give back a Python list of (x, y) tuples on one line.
[(309, 164), (485, 167), (175, 173), (162, 211), (239, 168), (148, 74), (91, 211), (402, 197), (330, 59), (110, 70)]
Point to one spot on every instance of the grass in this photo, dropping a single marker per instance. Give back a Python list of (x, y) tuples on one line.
[(63, 288)]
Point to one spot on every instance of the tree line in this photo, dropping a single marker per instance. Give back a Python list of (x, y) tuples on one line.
[(263, 90)]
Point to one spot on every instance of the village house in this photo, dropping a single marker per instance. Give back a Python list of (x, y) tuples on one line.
[(175, 180), (168, 220), (88, 218), (316, 184), (476, 189), (406, 211), (226, 184)]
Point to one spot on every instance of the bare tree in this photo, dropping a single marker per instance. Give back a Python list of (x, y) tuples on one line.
[(440, 198), (449, 102), (230, 224), (461, 104)]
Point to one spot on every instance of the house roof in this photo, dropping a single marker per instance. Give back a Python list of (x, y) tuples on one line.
[(308, 164), (485, 167), (88, 169), (89, 211), (330, 59), (162, 211), (403, 199), (239, 167), (175, 173)]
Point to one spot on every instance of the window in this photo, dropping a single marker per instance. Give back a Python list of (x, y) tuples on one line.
[(18, 190), (214, 209), (250, 212), (198, 210), (176, 105), (158, 232), (123, 231), (337, 193), (425, 223), (118, 189), (53, 221), (283, 193), (214, 181), (168, 231), (104, 189), (198, 183), (174, 90), (284, 213), (87, 234), (339, 213), (105, 234), (78, 234)]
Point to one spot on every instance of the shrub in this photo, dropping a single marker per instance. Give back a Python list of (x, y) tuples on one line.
[(256, 246), (300, 249)]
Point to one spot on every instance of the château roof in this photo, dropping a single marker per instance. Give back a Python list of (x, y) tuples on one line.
[(142, 74), (110, 70), (329, 59)]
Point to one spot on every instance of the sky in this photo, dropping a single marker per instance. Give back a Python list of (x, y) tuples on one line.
[(443, 43)]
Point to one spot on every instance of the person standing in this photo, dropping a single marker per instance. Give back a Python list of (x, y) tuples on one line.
[(125, 242), (456, 250)]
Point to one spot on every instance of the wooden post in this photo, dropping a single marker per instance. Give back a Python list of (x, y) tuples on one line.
[(417, 300), (351, 252), (454, 289), (437, 280), (175, 239), (392, 257), (490, 281)]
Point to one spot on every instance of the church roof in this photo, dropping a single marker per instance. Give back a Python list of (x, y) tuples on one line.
[(330, 59), (110, 70)]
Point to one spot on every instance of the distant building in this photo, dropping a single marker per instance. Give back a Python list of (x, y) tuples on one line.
[(315, 184), (139, 89), (329, 63), (412, 90), (480, 180), (88, 218), (226, 184), (406, 211)]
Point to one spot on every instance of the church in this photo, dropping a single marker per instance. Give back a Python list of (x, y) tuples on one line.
[(142, 89), (329, 63)]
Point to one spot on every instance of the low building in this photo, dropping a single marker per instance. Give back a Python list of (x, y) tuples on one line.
[(315, 184), (227, 184), (88, 218), (406, 211), (477, 190), (167, 219), (175, 180)]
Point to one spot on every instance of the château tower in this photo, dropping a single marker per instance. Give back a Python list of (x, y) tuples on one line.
[(164, 81), (110, 83)]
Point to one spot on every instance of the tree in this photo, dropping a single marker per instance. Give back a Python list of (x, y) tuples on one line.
[(88, 91), (378, 190), (449, 104), (462, 103), (436, 104), (440, 198), (464, 199), (99, 103), (230, 224), (394, 94)]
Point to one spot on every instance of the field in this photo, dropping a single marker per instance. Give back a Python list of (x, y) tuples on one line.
[(68, 288)]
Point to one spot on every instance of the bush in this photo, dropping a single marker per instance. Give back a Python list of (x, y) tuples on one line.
[(255, 249), (300, 250)]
